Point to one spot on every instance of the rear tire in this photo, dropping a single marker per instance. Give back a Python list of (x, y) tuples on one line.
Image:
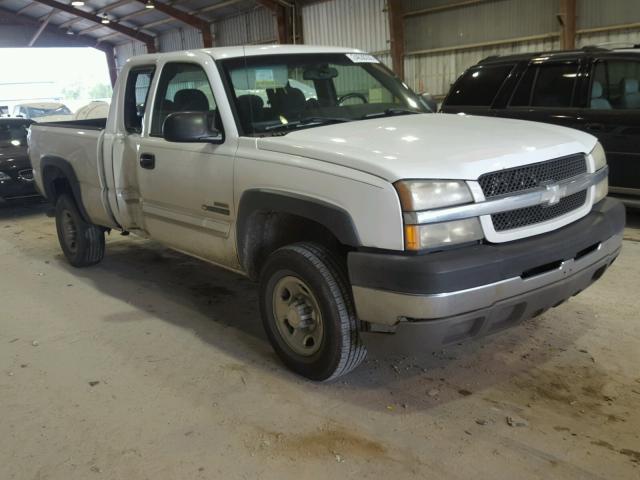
[(81, 242), (308, 312)]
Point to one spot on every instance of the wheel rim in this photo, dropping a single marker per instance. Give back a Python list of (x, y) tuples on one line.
[(69, 231), (297, 315)]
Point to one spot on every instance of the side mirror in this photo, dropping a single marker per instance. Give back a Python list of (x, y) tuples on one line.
[(429, 102), (191, 127)]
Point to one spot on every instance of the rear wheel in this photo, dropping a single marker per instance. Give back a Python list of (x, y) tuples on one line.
[(81, 242), (308, 312)]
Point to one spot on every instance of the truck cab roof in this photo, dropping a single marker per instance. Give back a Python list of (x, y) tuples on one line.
[(221, 53)]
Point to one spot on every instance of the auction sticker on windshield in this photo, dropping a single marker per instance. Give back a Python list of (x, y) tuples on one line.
[(362, 58)]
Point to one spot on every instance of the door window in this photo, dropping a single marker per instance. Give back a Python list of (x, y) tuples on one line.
[(479, 86), (183, 87), (135, 98), (546, 85), (615, 85)]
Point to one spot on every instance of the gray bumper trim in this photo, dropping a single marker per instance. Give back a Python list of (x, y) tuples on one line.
[(388, 308)]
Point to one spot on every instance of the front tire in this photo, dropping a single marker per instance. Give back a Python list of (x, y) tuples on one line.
[(81, 242), (308, 312)]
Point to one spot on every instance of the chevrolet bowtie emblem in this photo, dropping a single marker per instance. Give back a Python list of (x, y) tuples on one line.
[(553, 194)]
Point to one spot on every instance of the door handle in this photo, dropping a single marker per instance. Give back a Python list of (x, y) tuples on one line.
[(595, 126), (148, 161)]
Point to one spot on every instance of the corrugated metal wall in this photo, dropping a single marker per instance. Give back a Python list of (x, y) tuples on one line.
[(348, 23), (465, 35), (180, 39), (479, 23), (439, 45), (253, 27), (601, 13)]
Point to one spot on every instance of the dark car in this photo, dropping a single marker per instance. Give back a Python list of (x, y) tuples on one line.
[(16, 174), (593, 89)]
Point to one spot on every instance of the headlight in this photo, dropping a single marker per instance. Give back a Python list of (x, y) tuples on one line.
[(434, 235), (599, 157), (416, 195), (599, 161), (4, 176)]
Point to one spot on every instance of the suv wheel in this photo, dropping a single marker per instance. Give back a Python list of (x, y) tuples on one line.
[(308, 312), (81, 242)]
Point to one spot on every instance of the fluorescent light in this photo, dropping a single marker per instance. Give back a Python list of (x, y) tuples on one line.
[(149, 4), (106, 20), (77, 3)]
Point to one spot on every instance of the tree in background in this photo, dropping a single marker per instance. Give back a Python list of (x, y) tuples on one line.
[(101, 90)]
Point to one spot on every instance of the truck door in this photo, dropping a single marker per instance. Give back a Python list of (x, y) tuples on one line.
[(186, 189), (613, 115)]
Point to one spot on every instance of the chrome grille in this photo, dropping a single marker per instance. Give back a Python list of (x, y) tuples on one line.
[(524, 178), (538, 213)]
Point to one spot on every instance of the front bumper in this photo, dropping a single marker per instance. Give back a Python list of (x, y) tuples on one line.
[(468, 292), (18, 186)]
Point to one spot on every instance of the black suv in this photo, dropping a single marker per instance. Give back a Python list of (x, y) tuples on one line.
[(593, 89)]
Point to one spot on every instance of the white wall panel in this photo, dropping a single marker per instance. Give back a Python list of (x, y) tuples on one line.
[(610, 39), (347, 23), (254, 27)]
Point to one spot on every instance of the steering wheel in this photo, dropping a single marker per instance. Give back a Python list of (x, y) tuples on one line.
[(352, 95)]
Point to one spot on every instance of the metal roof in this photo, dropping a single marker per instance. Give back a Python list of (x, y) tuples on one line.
[(127, 13)]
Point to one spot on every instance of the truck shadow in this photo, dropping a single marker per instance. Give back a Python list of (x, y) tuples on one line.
[(221, 308)]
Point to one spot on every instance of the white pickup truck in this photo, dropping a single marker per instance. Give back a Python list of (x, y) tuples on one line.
[(318, 172)]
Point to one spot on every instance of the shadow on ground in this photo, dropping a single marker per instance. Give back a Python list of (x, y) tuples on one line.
[(221, 308)]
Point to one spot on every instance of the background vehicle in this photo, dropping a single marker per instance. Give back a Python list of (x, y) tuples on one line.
[(16, 174), (41, 111), (593, 89), (358, 212)]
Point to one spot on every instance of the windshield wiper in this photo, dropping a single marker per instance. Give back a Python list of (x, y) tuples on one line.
[(306, 122), (389, 112)]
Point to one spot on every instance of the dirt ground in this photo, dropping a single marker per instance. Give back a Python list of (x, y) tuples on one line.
[(153, 365)]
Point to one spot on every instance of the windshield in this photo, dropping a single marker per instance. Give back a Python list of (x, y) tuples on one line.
[(13, 133), (34, 112), (275, 92)]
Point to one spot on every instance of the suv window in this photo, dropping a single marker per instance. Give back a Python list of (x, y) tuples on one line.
[(615, 85), (546, 85), (479, 85), (135, 98), (182, 87)]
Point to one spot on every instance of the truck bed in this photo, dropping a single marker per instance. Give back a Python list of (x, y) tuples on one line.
[(74, 146), (88, 124)]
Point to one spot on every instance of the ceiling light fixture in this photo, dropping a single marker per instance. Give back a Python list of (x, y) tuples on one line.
[(69, 31), (149, 4), (77, 3), (105, 20)]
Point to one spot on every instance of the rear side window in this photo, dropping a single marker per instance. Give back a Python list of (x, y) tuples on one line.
[(136, 96), (546, 85), (615, 85), (479, 85)]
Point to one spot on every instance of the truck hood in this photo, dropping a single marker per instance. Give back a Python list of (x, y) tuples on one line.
[(437, 146)]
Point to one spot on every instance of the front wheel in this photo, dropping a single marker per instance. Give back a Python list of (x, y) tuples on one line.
[(81, 242), (308, 312)]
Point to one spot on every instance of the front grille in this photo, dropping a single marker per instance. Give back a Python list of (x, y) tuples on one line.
[(538, 213), (524, 178)]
